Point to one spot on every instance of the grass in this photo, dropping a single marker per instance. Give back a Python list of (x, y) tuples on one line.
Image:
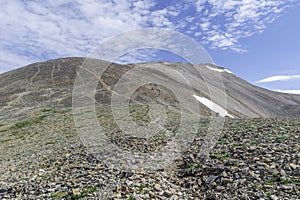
[(290, 181), (83, 193), (5, 140), (275, 179), (282, 138), (140, 188), (278, 139), (193, 166), (130, 197), (4, 130), (269, 195), (222, 141), (48, 110), (24, 179), (254, 141), (222, 156), (44, 176), (138, 113), (190, 165), (50, 143), (238, 144), (59, 194), (52, 110), (255, 186), (23, 124)]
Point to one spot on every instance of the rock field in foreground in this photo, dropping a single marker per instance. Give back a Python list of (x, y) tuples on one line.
[(43, 158)]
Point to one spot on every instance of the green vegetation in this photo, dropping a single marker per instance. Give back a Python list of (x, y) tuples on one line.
[(194, 165), (5, 140), (83, 193), (275, 178), (53, 110), (222, 141), (254, 141), (190, 165), (222, 156), (130, 197), (4, 130), (269, 195), (139, 113), (23, 124), (59, 194), (48, 110), (24, 179), (50, 143), (282, 138), (290, 181), (65, 195), (141, 188), (238, 144), (255, 186)]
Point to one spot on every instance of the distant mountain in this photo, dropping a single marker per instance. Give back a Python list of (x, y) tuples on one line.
[(50, 84)]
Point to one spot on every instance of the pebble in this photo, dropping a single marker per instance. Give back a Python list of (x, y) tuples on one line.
[(249, 171)]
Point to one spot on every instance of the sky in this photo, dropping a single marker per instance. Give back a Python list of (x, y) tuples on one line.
[(258, 40)]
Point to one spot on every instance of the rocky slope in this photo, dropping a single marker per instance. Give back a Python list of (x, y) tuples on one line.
[(51, 83), (253, 159), (42, 155)]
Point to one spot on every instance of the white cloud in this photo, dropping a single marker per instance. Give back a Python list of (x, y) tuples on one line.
[(289, 91), (138, 56), (279, 78), (33, 30), (236, 19), (13, 59)]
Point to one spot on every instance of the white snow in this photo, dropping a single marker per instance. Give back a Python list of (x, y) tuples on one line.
[(213, 106), (218, 70), (228, 71)]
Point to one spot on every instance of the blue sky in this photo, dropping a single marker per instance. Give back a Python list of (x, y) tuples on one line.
[(258, 40)]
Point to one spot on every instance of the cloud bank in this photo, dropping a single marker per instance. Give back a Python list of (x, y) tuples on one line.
[(280, 78), (39, 30), (289, 91)]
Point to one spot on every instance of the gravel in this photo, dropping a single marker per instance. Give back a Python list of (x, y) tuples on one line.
[(254, 159)]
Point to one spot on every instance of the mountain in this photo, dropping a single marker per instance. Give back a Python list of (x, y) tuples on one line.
[(45, 151), (50, 84)]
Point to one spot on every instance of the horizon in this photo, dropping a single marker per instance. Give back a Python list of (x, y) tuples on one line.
[(258, 44)]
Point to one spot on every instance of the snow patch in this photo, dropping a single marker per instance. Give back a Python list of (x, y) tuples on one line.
[(228, 71), (213, 106), (218, 70)]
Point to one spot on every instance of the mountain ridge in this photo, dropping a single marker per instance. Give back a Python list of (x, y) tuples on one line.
[(50, 84)]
